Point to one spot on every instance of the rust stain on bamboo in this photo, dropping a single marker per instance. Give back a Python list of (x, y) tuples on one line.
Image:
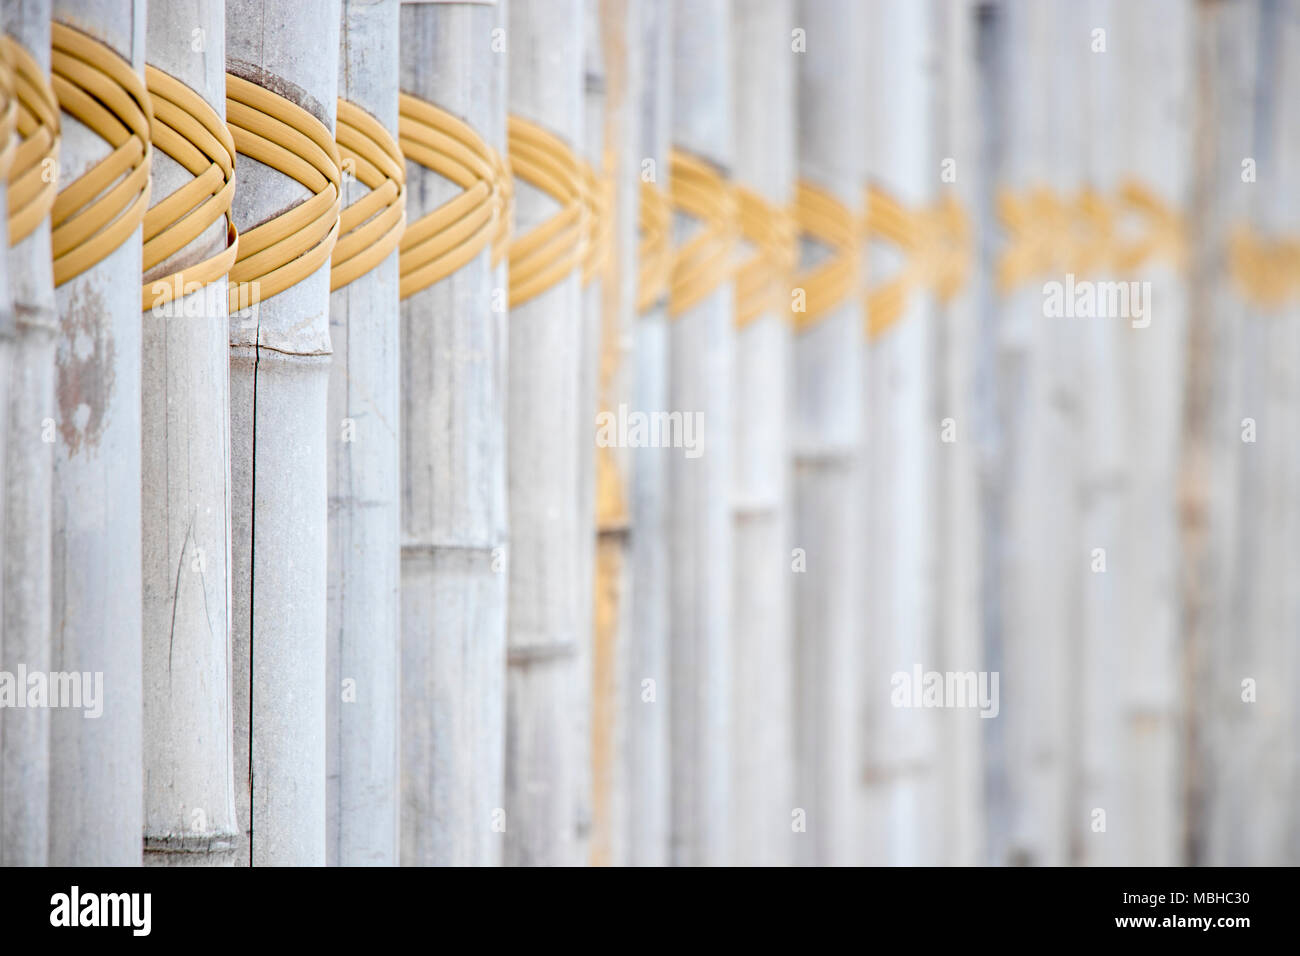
[(85, 362)]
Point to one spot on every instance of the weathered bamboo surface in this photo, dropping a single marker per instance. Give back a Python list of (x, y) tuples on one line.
[(957, 506), (29, 413), (1030, 478), (900, 440), (188, 756), (826, 434), (1239, 464), (96, 766), (542, 681), (974, 542), (761, 651), (363, 642), (647, 673), (701, 383), (453, 506), (279, 379)]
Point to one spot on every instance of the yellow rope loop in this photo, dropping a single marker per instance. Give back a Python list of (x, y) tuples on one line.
[(505, 204), (8, 112), (821, 216), (1092, 233), (102, 209), (763, 278), (598, 191), (191, 132), (949, 239), (654, 251), (1163, 238), (888, 220), (287, 248), (32, 180), (703, 263), (1037, 224), (545, 255), (1266, 271), (371, 227), (442, 241)]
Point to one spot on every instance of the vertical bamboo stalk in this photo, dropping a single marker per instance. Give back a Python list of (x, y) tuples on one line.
[(453, 355), (1158, 61), (1105, 474), (96, 765), (1241, 522), (900, 440), (1030, 478), (589, 351), (826, 443), (612, 687), (762, 658), (279, 377), (956, 468), (701, 363), (648, 671), (189, 774), (30, 412), (545, 87), (1156, 383), (362, 689)]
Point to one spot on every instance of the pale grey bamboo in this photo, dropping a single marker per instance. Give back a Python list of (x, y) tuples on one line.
[(454, 337), (647, 673), (30, 415), (701, 383), (545, 87), (96, 766), (762, 656), (826, 443), (188, 760), (279, 377), (363, 637)]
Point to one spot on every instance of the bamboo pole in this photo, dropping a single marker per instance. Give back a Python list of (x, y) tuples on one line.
[(1159, 147), (762, 658), (364, 550), (701, 374), (648, 671), (28, 465), (279, 376), (957, 519), (96, 765), (900, 439), (189, 774), (826, 443), (1105, 474), (589, 351), (1035, 549), (612, 686), (545, 87), (1240, 525), (453, 349)]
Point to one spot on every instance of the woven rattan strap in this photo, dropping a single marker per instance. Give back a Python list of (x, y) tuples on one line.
[(442, 241), (98, 212), (288, 248), (703, 263), (191, 132), (545, 255), (370, 228)]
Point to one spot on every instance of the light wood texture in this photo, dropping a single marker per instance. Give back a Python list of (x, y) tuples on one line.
[(453, 508), (279, 378), (188, 760), (364, 420)]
